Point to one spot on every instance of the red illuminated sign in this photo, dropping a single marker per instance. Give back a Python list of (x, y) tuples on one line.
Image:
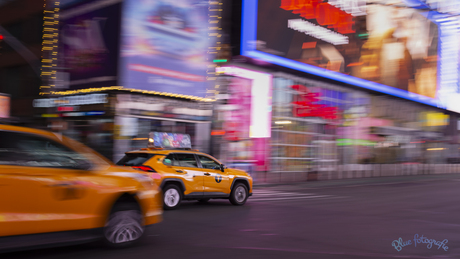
[(65, 109), (324, 13), (304, 105)]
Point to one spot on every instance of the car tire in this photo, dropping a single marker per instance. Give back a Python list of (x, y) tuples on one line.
[(124, 226), (203, 200), (239, 194), (172, 196)]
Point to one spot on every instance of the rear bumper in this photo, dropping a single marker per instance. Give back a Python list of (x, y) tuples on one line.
[(153, 208)]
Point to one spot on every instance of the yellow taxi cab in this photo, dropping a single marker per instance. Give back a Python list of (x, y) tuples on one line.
[(54, 191), (186, 174)]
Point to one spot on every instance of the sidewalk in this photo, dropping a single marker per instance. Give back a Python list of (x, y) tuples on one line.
[(363, 181)]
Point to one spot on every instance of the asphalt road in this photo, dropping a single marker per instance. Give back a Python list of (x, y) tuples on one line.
[(341, 219)]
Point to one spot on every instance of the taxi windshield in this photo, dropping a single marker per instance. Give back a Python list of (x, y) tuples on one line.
[(93, 156)]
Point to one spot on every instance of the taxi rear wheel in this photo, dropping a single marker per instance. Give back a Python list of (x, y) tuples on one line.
[(124, 226), (172, 197), (239, 194)]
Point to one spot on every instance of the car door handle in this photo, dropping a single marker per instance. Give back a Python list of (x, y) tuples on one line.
[(61, 184), (207, 174), (179, 171)]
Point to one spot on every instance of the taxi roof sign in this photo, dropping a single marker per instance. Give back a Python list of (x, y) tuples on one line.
[(169, 140)]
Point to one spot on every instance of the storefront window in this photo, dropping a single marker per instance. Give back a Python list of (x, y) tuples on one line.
[(95, 133), (304, 128)]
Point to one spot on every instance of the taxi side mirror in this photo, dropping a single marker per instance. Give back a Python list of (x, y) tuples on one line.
[(222, 167)]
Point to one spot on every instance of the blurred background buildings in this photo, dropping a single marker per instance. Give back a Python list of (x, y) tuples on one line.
[(281, 88)]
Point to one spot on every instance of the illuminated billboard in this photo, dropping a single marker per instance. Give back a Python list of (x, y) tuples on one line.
[(393, 49), (164, 46)]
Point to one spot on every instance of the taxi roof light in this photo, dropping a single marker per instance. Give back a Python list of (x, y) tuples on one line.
[(169, 140)]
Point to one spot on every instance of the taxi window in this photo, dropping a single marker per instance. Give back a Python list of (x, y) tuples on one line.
[(208, 163), (134, 159), (186, 160), (170, 160), (36, 151)]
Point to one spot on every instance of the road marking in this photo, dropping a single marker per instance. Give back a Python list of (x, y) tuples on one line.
[(269, 195), (291, 198), (282, 194)]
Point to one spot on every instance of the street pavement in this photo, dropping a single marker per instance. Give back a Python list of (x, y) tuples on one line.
[(391, 217)]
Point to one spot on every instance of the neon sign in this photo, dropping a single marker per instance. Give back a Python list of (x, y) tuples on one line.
[(304, 105), (317, 31), (260, 99)]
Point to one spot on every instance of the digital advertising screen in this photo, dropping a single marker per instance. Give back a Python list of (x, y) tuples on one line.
[(169, 140), (164, 46), (386, 46), (89, 46)]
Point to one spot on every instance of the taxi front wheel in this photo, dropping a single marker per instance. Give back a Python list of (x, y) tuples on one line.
[(171, 197), (239, 194), (124, 226)]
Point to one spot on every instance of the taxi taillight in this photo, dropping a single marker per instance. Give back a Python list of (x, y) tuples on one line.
[(145, 168)]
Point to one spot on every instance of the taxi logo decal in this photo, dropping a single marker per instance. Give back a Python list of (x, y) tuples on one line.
[(218, 178)]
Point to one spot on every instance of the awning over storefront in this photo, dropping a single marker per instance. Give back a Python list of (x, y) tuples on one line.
[(391, 130), (399, 131)]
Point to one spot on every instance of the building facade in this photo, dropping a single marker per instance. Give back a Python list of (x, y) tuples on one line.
[(365, 88), (126, 68)]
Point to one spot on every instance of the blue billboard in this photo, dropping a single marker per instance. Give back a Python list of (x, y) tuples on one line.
[(400, 51), (164, 46)]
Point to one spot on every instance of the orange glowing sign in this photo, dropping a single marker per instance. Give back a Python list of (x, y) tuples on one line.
[(4, 106), (324, 13)]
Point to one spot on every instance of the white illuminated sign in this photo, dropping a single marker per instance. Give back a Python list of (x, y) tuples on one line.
[(448, 92), (445, 6), (317, 31), (261, 104), (71, 100), (353, 7)]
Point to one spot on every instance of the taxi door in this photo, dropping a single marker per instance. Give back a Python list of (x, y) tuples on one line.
[(38, 189), (216, 182), (185, 167), (40, 200)]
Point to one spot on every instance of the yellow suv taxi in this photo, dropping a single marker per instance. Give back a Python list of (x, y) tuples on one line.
[(54, 190), (186, 174)]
